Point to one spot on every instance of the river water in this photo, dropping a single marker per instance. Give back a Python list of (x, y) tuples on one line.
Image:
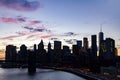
[(41, 74)]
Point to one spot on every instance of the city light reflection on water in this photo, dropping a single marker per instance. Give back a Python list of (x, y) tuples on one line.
[(41, 74)]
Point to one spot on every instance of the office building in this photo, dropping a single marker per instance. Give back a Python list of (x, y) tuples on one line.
[(79, 43), (101, 39), (10, 53), (94, 46), (85, 43)]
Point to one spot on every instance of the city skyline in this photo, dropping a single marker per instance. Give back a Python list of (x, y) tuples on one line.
[(29, 21), (81, 57)]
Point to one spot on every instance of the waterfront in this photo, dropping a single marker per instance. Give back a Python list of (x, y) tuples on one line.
[(41, 74)]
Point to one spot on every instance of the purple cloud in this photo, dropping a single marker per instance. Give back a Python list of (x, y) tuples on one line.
[(69, 34), (28, 28), (21, 19), (34, 22), (37, 29), (70, 41), (20, 5), (53, 39)]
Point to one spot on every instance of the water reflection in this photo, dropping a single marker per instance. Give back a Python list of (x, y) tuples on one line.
[(41, 74)]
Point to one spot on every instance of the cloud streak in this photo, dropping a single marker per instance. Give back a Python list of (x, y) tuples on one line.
[(20, 5), (70, 34), (18, 19), (32, 23), (13, 20), (70, 41), (9, 37), (38, 36), (8, 20), (19, 34), (37, 29)]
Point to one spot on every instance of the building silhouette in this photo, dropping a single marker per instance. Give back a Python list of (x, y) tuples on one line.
[(79, 43), (41, 53), (41, 46), (110, 47), (66, 51), (31, 62), (57, 45), (101, 39), (10, 53), (108, 52), (49, 47), (93, 46), (57, 51), (75, 50), (85, 43), (35, 48), (50, 54), (22, 54)]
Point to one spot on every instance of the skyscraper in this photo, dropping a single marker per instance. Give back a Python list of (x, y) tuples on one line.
[(10, 53), (40, 46), (108, 55), (75, 50), (108, 48), (31, 62), (49, 47), (23, 54), (23, 49), (57, 51), (85, 43), (101, 38), (79, 43), (66, 50), (35, 48), (57, 45), (110, 44), (94, 46)]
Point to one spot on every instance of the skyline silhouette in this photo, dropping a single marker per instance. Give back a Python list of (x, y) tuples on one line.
[(82, 54), (96, 46), (61, 57)]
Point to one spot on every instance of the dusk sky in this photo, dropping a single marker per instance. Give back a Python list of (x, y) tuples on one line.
[(29, 21)]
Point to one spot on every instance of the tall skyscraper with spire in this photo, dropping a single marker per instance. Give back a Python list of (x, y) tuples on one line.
[(101, 36), (101, 39)]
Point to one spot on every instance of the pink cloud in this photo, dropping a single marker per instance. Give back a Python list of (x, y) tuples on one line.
[(37, 36), (19, 34), (12, 20), (8, 20), (9, 37), (46, 36), (32, 23), (31, 36)]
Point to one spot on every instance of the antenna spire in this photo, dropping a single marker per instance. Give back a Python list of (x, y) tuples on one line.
[(100, 27)]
